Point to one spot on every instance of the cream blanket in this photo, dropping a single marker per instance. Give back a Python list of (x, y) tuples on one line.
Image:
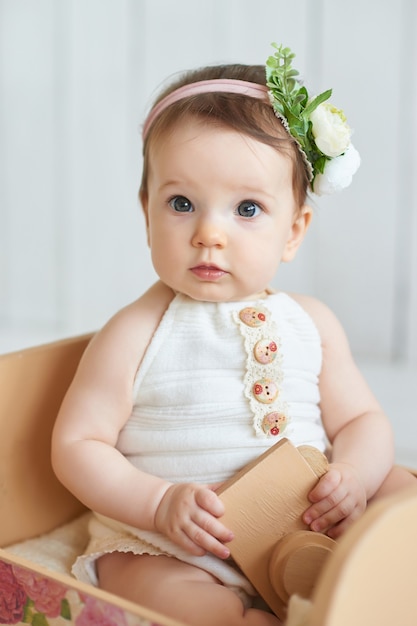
[(58, 549)]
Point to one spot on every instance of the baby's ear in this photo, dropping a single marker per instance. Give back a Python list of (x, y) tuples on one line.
[(297, 233), (143, 197)]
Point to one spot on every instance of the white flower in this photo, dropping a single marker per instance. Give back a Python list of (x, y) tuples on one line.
[(330, 130), (338, 173)]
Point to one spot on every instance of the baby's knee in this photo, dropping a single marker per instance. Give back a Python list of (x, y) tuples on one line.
[(398, 478)]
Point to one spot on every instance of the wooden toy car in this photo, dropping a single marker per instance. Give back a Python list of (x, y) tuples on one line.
[(264, 505)]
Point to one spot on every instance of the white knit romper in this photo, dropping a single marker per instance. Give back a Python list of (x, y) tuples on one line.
[(219, 384)]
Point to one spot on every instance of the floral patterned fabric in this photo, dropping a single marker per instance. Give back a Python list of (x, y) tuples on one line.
[(28, 597)]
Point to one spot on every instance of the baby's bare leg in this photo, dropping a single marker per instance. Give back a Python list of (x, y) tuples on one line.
[(397, 479), (176, 589)]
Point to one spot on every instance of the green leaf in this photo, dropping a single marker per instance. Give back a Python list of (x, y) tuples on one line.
[(320, 164), (65, 609), (39, 619), (292, 73), (299, 99), (312, 106), (28, 611), (291, 101)]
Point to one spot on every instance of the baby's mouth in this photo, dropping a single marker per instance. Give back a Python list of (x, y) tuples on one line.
[(208, 272)]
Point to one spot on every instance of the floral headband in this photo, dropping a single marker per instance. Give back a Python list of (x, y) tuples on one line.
[(319, 129)]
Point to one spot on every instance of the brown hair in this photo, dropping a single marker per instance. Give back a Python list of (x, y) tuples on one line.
[(249, 116)]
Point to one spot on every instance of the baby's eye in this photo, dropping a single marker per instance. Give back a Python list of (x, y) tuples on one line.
[(248, 208), (181, 204)]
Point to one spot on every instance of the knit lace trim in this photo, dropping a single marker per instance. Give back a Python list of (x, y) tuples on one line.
[(264, 373)]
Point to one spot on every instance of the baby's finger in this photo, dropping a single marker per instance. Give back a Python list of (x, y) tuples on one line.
[(326, 508), (213, 526), (327, 483), (208, 541), (209, 501), (182, 539), (341, 511), (196, 541), (340, 527)]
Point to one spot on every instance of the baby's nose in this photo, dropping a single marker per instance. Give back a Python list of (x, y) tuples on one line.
[(209, 233)]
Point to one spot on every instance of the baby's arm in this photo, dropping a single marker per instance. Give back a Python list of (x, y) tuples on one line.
[(357, 428), (95, 409)]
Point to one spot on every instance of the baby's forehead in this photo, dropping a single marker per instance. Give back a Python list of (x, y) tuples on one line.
[(189, 127), (213, 139)]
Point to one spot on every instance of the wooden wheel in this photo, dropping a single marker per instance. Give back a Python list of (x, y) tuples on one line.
[(296, 563)]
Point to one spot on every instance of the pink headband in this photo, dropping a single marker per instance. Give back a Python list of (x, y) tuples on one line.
[(225, 85)]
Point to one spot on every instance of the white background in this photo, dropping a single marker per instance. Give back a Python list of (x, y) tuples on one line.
[(76, 80)]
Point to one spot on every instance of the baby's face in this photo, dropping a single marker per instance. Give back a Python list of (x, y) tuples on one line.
[(220, 212)]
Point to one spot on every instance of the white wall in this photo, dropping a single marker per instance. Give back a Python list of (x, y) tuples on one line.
[(76, 78)]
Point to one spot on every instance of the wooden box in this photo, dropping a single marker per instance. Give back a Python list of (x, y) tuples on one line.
[(369, 579), (33, 502)]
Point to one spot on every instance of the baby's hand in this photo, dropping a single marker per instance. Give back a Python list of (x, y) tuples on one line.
[(188, 514), (338, 499)]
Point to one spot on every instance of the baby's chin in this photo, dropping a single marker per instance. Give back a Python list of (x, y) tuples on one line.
[(211, 294)]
